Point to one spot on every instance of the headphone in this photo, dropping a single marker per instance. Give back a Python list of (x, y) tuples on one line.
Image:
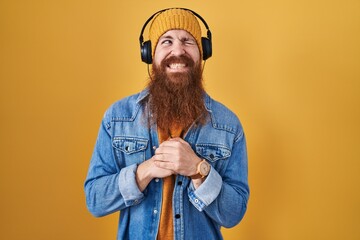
[(145, 47)]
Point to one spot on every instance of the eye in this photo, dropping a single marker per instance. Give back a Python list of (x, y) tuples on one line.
[(190, 42), (166, 42)]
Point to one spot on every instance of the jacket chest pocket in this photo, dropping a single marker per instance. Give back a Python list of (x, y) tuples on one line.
[(129, 150), (214, 154)]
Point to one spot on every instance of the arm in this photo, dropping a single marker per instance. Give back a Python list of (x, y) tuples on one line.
[(224, 198), (107, 187)]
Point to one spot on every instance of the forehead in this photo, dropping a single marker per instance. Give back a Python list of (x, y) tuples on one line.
[(177, 33)]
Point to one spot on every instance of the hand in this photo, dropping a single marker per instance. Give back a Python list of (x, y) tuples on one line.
[(177, 156), (147, 171)]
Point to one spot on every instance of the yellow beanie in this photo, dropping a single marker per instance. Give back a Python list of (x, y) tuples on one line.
[(174, 18)]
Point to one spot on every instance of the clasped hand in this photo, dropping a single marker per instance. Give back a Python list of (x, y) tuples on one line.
[(173, 156), (177, 156)]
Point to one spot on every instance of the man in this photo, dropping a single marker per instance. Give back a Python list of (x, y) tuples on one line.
[(172, 160)]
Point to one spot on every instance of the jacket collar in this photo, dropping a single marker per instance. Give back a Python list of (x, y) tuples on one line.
[(142, 95)]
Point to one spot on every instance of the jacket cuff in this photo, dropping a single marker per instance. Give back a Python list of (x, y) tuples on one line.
[(128, 186), (207, 192)]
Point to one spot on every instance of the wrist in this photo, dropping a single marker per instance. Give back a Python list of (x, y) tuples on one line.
[(143, 175), (197, 182), (202, 170), (195, 167)]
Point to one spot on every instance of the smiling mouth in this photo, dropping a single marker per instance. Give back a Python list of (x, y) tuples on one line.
[(177, 66)]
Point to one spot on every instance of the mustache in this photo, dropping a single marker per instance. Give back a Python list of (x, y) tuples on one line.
[(178, 59)]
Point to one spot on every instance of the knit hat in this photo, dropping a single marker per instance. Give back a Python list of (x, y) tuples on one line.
[(174, 18)]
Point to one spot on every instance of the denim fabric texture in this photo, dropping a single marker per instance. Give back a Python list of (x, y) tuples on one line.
[(127, 137)]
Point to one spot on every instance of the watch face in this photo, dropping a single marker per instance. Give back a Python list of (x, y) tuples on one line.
[(204, 168)]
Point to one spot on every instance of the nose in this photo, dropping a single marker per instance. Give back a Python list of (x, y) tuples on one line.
[(178, 48)]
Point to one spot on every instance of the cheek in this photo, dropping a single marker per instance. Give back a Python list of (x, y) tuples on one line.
[(196, 55), (158, 57)]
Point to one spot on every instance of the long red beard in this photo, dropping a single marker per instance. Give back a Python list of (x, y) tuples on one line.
[(176, 99)]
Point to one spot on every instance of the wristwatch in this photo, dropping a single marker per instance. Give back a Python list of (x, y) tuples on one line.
[(203, 169)]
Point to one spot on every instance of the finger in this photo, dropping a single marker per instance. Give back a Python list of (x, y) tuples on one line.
[(161, 150), (174, 139), (177, 139), (167, 143), (165, 149), (165, 165), (170, 146), (159, 157), (164, 157)]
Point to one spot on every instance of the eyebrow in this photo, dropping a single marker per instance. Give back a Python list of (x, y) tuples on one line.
[(167, 36)]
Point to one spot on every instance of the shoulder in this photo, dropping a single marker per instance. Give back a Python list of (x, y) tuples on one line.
[(222, 117), (124, 109)]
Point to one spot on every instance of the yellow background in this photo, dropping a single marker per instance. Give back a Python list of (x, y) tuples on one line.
[(289, 69)]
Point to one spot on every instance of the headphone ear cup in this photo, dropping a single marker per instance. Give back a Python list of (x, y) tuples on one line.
[(146, 52), (207, 48)]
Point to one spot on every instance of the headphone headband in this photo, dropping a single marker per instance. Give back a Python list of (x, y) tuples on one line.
[(144, 46)]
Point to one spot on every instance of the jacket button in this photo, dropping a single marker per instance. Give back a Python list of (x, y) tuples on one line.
[(177, 216), (179, 183), (212, 156), (156, 180)]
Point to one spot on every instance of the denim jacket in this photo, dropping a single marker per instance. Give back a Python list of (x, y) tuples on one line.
[(127, 137)]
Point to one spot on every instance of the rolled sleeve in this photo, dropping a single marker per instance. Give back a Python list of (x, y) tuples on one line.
[(128, 186), (207, 192)]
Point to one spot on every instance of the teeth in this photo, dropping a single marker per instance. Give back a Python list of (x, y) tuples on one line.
[(177, 65)]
